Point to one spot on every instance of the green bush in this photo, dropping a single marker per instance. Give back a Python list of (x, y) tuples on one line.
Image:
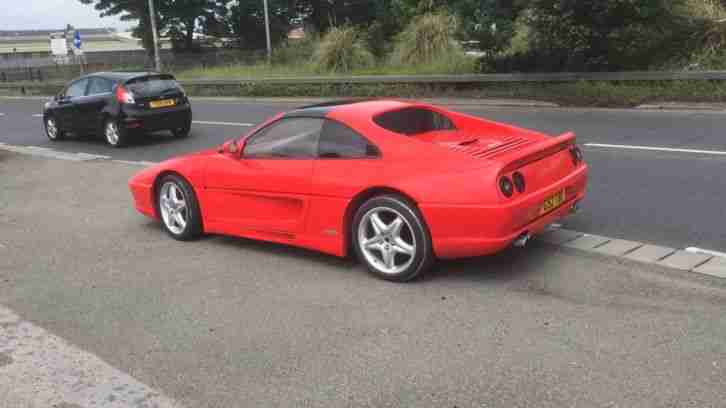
[(342, 49), (428, 38), (592, 35), (296, 51)]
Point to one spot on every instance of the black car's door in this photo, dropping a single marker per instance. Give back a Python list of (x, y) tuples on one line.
[(65, 111), (88, 108)]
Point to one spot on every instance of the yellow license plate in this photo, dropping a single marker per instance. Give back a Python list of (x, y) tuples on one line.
[(552, 202), (162, 104)]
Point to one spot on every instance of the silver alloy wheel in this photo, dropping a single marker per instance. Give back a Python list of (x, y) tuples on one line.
[(112, 133), (51, 128), (386, 240), (173, 207)]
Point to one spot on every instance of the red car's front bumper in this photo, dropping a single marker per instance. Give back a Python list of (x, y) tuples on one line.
[(141, 190), (460, 231)]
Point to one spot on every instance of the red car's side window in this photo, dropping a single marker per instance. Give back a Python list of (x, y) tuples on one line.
[(338, 141), (292, 138)]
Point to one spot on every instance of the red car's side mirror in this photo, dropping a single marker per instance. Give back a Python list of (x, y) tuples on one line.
[(233, 148)]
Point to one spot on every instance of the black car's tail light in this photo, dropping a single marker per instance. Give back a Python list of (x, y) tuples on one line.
[(123, 95), (519, 183), (505, 184), (576, 154)]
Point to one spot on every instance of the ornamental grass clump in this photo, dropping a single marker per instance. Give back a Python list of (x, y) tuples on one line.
[(342, 49), (428, 38)]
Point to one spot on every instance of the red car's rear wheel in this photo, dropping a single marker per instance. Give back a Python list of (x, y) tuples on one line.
[(390, 237)]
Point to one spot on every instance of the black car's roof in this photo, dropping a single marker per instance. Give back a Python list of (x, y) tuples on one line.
[(122, 76)]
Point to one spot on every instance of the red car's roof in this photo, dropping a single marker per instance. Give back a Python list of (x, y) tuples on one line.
[(350, 109), (369, 108)]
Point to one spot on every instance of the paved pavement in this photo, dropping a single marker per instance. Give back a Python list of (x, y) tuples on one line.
[(671, 198), (226, 322)]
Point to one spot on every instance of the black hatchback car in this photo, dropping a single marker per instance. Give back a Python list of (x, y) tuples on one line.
[(117, 104)]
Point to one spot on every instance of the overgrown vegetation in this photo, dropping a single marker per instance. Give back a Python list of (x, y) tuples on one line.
[(513, 35), (427, 38), (342, 49)]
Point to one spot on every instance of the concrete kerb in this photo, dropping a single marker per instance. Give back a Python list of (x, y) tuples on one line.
[(633, 251), (683, 106), (637, 252)]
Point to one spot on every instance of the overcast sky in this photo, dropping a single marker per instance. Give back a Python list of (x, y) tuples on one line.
[(52, 14)]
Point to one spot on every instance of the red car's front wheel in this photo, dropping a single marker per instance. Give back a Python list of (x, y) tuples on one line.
[(178, 208), (390, 237)]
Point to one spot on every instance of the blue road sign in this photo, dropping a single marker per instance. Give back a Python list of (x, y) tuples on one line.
[(77, 40)]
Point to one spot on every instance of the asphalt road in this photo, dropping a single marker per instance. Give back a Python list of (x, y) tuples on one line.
[(667, 198), (225, 322)]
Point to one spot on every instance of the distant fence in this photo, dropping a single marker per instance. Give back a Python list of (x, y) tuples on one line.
[(44, 67)]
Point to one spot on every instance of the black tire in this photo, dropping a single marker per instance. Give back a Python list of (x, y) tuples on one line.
[(193, 217), (121, 138), (59, 134), (413, 232), (182, 132)]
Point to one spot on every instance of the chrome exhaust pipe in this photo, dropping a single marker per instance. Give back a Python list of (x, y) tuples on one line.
[(522, 241), (575, 208)]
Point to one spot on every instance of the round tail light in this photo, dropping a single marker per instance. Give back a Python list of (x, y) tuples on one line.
[(519, 184), (505, 184)]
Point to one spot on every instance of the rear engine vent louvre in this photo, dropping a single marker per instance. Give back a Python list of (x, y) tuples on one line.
[(489, 150)]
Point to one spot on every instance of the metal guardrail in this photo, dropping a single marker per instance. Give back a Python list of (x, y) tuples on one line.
[(430, 79), (472, 79)]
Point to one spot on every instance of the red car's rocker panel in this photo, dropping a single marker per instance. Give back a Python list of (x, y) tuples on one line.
[(478, 186)]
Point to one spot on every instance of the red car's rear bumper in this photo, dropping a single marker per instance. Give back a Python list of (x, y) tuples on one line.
[(470, 230)]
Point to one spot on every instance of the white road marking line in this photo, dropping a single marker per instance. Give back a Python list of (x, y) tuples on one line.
[(137, 163), (53, 154), (39, 369), (2, 114), (696, 250), (657, 149), (205, 122), (37, 115)]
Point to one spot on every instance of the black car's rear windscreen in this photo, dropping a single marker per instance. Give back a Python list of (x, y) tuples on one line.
[(153, 85)]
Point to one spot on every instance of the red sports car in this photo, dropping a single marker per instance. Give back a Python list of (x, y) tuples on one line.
[(399, 183)]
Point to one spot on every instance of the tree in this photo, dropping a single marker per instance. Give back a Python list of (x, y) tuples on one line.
[(606, 35), (491, 22), (180, 17), (246, 20), (129, 10)]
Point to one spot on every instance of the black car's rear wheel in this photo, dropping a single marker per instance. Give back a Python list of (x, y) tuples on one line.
[(52, 130), (182, 131), (390, 237), (115, 135)]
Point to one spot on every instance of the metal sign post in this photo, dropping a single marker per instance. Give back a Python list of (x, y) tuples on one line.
[(152, 16), (77, 49), (267, 33)]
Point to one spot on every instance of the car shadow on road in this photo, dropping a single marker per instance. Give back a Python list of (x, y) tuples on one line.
[(135, 140), (507, 266), (513, 264)]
